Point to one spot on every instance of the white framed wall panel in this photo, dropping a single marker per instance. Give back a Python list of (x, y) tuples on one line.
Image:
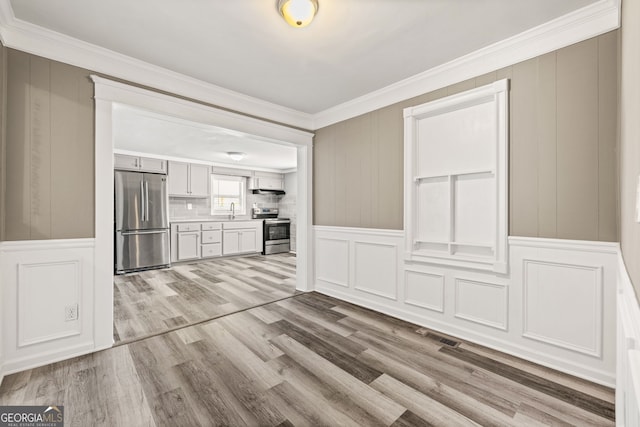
[(360, 261), (43, 289), (628, 351), (332, 261), (487, 307), (376, 268), (482, 302), (563, 305), (40, 280), (566, 291), (425, 290)]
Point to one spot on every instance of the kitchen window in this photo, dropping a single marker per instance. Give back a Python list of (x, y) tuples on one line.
[(225, 190)]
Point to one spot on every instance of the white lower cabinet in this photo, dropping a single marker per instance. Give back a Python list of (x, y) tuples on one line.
[(196, 240), (231, 242), (211, 250), (188, 245), (239, 241), (241, 237), (248, 240)]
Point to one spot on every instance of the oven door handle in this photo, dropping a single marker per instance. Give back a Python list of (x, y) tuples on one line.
[(276, 242)]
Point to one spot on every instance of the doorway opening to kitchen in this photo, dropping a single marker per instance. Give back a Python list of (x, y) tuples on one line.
[(214, 237), (162, 300)]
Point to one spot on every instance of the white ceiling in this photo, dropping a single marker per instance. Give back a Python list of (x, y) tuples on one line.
[(145, 132), (352, 48)]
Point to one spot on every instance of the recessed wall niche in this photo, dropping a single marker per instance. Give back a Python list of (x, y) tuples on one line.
[(456, 179)]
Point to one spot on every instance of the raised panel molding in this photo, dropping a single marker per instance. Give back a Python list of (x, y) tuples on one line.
[(563, 305), (44, 289), (332, 261), (376, 268), (40, 278), (627, 351), (483, 303), (425, 290)]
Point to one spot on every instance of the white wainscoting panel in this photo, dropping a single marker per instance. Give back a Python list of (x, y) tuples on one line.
[(551, 290), (332, 261), (555, 306), (376, 268), (482, 302), (424, 290), (359, 261), (44, 288), (40, 279), (628, 352)]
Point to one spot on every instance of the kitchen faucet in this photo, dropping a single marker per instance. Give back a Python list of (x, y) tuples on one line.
[(233, 211)]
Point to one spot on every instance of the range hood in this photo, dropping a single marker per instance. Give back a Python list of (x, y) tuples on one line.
[(268, 191), (264, 185)]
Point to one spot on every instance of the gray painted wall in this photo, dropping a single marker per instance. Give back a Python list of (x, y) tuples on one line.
[(563, 174), (49, 161), (630, 138), (563, 132)]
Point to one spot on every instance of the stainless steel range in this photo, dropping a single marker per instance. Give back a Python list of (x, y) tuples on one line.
[(275, 231)]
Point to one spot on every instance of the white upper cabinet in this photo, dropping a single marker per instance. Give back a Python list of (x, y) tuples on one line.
[(188, 180), (139, 164), (199, 180), (178, 179), (456, 179)]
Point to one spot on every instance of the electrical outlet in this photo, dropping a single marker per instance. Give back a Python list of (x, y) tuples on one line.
[(71, 312), (189, 206)]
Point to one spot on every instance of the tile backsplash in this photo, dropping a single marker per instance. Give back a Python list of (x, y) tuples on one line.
[(178, 207), (201, 208)]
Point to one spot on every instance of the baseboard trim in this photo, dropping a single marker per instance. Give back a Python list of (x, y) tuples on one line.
[(46, 358)]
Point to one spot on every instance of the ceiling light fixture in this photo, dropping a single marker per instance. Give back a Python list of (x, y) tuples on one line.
[(298, 13), (235, 155)]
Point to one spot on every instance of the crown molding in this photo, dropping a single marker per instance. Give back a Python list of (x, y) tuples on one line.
[(582, 24), (27, 37)]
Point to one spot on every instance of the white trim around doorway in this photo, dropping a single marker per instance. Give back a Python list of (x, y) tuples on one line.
[(109, 93)]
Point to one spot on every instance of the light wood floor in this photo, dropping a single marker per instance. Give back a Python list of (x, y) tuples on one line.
[(308, 360), (156, 301)]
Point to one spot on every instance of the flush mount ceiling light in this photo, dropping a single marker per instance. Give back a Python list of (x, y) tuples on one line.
[(235, 155), (298, 13)]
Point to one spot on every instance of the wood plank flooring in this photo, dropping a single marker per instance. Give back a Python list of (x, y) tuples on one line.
[(308, 360), (156, 301)]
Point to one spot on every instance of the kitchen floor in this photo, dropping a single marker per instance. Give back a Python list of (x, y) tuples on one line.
[(308, 360), (156, 301)]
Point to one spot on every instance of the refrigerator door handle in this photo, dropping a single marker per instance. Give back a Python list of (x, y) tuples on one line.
[(146, 199), (142, 204), (134, 233)]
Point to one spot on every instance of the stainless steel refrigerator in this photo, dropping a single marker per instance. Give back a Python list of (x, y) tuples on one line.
[(141, 221)]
